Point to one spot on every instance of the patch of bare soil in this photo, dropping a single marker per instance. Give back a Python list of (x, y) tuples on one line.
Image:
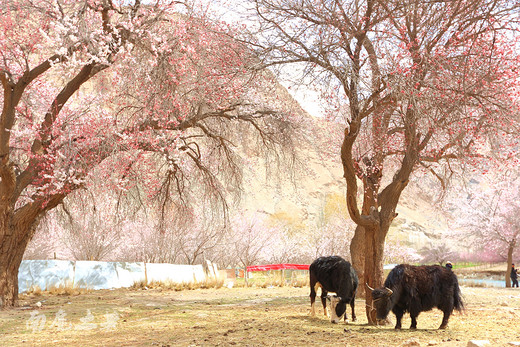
[(243, 317)]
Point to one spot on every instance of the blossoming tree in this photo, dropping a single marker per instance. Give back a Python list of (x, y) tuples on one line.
[(421, 86), (153, 93), (488, 217)]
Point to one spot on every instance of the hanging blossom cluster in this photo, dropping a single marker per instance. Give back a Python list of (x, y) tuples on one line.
[(138, 92)]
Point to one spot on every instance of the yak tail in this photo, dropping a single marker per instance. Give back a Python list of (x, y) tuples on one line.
[(458, 304)]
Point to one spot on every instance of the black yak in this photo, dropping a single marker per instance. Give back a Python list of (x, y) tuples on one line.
[(333, 274), (416, 289)]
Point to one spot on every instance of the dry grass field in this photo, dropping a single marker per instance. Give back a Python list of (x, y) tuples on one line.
[(277, 316)]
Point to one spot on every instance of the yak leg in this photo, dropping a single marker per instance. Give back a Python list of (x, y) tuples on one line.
[(413, 314), (414, 321), (445, 319), (398, 315), (314, 287), (415, 310), (352, 301), (447, 309), (324, 300)]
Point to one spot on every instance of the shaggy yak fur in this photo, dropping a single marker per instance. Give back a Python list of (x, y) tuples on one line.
[(416, 289), (333, 274)]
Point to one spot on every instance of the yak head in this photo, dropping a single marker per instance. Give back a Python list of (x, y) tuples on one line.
[(337, 307), (381, 302)]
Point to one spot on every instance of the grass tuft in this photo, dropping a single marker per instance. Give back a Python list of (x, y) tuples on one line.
[(34, 291)]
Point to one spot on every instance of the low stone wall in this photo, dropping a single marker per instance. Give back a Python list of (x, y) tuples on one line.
[(47, 274)]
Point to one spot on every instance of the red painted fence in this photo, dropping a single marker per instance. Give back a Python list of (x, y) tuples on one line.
[(277, 267)]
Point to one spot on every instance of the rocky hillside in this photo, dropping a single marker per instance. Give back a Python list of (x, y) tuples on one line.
[(320, 176)]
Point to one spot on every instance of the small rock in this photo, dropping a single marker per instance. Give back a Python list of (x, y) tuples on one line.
[(514, 343), (432, 343), (38, 304), (478, 343), (411, 342)]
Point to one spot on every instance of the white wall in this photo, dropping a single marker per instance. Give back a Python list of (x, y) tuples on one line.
[(105, 275)]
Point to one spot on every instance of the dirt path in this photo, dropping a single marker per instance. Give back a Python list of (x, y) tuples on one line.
[(241, 316)]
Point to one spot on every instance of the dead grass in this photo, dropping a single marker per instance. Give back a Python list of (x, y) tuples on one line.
[(65, 289), (273, 316), (170, 285), (274, 279)]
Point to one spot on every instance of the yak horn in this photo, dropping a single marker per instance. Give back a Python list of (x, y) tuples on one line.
[(371, 289), (389, 291)]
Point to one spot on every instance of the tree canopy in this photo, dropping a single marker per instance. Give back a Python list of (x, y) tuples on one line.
[(156, 95)]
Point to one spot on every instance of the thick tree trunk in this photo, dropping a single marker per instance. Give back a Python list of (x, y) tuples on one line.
[(357, 255), (378, 210), (16, 230), (370, 269), (374, 245), (13, 243), (369, 241)]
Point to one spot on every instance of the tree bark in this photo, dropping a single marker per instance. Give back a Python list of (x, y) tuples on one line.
[(357, 255), (17, 227), (13, 243), (370, 269), (374, 245)]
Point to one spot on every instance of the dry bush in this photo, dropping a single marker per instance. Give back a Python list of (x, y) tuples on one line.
[(34, 290), (300, 283), (68, 288), (212, 283)]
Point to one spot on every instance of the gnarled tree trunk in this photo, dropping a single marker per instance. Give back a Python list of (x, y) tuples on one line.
[(11, 255), (17, 227), (14, 239), (368, 252), (357, 255), (376, 214)]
